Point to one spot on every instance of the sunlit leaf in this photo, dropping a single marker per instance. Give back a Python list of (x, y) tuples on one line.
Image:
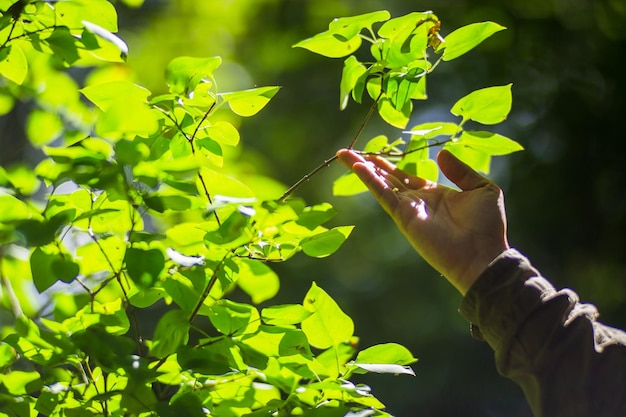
[(479, 161), (326, 243), (284, 314), (488, 106), (49, 266), (328, 325), (348, 185), (43, 127), (107, 95), (72, 13), (232, 318), (327, 44), (489, 142), (349, 27), (247, 103), (390, 353), (466, 38), (257, 280), (393, 116), (13, 63), (352, 71), (183, 74)]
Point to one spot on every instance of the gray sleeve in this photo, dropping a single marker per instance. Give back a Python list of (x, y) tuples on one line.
[(550, 344)]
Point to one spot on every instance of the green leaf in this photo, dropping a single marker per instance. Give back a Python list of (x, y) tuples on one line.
[(224, 133), (488, 106), (230, 230), (21, 382), (287, 314), (43, 127), (48, 266), (212, 359), (466, 38), (330, 45), (12, 209), (13, 64), (63, 45), (72, 13), (479, 161), (107, 95), (187, 404), (231, 318), (349, 27), (489, 143), (348, 185), (247, 103), (326, 243), (184, 73), (328, 325), (127, 118), (172, 331), (314, 216), (257, 280), (393, 116), (352, 71), (144, 266), (389, 353)]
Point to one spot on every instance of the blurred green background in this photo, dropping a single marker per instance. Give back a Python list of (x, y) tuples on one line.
[(565, 194)]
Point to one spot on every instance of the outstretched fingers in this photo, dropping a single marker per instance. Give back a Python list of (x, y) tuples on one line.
[(460, 173), (380, 183)]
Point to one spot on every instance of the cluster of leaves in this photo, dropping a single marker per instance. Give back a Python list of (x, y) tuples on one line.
[(396, 76), (136, 209)]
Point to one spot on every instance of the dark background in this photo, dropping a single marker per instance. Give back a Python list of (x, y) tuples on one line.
[(565, 193)]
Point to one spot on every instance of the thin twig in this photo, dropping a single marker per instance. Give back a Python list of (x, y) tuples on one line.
[(327, 162), (207, 290), (306, 177), (367, 118)]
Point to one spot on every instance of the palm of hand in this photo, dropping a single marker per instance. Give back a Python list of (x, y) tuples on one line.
[(457, 232)]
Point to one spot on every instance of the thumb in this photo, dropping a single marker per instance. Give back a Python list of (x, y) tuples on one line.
[(460, 173)]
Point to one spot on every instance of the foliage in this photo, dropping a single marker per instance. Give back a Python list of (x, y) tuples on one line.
[(397, 75), (138, 206)]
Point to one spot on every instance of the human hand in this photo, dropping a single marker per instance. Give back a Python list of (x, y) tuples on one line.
[(457, 232)]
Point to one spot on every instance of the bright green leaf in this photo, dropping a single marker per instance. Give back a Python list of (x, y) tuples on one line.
[(352, 71), (231, 318), (393, 116), (287, 314), (224, 133), (328, 325), (488, 106), (326, 243), (489, 143), (12, 209), (43, 127), (479, 161), (72, 13), (349, 27), (348, 185), (109, 94), (247, 103), (329, 45), (183, 74), (21, 382), (13, 64), (257, 280), (466, 38), (390, 353)]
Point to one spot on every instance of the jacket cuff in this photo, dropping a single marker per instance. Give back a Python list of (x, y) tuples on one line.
[(503, 297)]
